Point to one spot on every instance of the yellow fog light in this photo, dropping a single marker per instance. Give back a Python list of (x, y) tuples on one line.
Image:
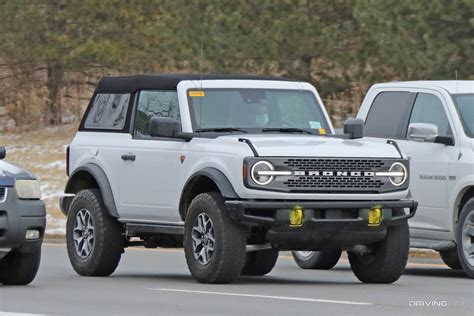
[(296, 216), (375, 216)]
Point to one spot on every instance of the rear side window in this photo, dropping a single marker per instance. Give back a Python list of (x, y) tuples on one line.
[(108, 111), (387, 114)]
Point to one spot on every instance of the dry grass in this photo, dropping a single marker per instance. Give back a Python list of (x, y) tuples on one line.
[(43, 152)]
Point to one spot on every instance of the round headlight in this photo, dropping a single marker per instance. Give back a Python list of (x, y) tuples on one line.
[(260, 178), (400, 174)]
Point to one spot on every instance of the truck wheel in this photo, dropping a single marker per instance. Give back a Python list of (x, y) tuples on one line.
[(388, 258), (20, 268), (451, 259), (214, 244), (465, 238), (317, 260), (260, 262), (94, 238)]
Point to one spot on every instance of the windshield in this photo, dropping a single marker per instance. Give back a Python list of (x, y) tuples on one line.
[(256, 111), (465, 106)]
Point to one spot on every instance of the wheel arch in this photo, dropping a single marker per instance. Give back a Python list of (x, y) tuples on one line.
[(206, 180), (463, 196), (89, 176)]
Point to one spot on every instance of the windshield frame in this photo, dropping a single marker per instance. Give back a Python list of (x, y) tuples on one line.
[(454, 96), (260, 130)]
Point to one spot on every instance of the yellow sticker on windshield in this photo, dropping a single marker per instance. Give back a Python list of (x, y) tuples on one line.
[(322, 131), (197, 94)]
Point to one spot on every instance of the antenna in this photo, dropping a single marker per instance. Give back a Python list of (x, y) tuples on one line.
[(200, 82), (456, 75)]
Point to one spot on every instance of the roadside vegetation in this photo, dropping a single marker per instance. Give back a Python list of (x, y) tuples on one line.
[(53, 52)]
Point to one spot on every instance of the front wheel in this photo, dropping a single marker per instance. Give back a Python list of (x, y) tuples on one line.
[(94, 239), (387, 259), (214, 245), (465, 238), (317, 260), (20, 268)]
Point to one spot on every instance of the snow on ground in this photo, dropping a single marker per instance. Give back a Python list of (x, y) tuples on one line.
[(42, 152)]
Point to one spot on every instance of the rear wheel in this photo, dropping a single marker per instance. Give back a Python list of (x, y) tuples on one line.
[(18, 268), (260, 262), (387, 259), (214, 244), (465, 238), (318, 260), (451, 259), (95, 240)]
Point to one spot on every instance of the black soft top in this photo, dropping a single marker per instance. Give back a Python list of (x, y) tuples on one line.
[(130, 84)]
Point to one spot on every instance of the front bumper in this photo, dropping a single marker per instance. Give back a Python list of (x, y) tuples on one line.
[(326, 224), (16, 217)]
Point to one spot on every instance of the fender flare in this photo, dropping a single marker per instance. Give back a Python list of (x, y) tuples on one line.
[(219, 178), (103, 183)]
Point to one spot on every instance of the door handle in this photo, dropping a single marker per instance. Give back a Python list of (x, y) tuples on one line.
[(129, 156)]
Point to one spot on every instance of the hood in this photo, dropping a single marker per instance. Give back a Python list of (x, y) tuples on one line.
[(284, 145), (10, 172)]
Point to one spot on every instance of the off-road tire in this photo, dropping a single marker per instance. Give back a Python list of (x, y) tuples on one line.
[(258, 263), (387, 259), (108, 236), (228, 257), (319, 260), (20, 268), (467, 209), (451, 259)]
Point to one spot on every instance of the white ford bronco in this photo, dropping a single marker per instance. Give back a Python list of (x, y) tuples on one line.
[(235, 169), (433, 123)]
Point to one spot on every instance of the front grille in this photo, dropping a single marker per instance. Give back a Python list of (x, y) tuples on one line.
[(334, 183), (333, 164), (3, 193)]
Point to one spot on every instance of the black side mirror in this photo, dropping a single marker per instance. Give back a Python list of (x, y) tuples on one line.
[(354, 127), (3, 152), (446, 140), (164, 127)]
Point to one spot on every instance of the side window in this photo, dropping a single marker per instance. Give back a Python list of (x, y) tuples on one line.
[(429, 109), (108, 111), (387, 114), (154, 104)]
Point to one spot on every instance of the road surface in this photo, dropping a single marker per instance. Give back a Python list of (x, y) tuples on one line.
[(157, 281)]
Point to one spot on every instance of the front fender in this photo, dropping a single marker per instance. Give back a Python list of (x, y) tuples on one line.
[(76, 183)]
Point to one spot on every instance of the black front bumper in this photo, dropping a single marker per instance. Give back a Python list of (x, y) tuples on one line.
[(327, 224), (16, 217)]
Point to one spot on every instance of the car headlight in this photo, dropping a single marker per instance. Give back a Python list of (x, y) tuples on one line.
[(259, 172), (398, 174), (28, 189)]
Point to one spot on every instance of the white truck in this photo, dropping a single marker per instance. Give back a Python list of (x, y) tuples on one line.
[(235, 169), (433, 123)]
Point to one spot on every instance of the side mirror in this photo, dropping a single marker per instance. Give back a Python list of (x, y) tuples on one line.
[(422, 132), (164, 127), (354, 127), (3, 152)]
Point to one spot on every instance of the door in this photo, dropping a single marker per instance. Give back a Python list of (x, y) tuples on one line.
[(149, 165), (429, 164)]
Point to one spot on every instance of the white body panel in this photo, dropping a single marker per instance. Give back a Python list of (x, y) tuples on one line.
[(450, 169)]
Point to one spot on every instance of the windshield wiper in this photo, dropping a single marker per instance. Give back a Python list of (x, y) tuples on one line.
[(220, 129), (287, 130)]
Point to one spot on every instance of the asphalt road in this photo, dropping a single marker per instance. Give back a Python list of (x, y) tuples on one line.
[(151, 282)]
